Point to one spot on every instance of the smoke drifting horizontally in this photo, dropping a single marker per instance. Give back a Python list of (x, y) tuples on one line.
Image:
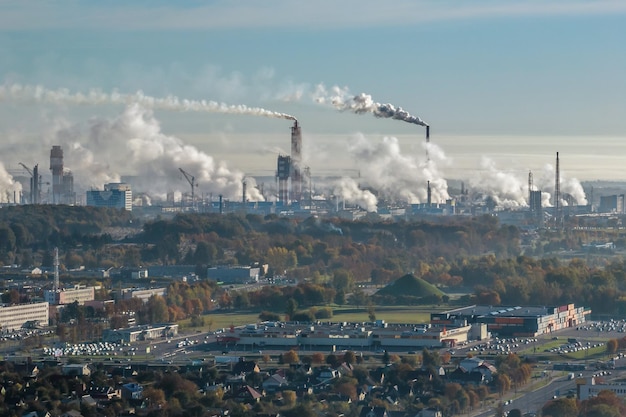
[(341, 99), (39, 94), (133, 143)]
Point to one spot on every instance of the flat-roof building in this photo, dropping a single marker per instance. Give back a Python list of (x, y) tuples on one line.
[(115, 195), (234, 274), (133, 334), (516, 321), (14, 317), (363, 336), (70, 295)]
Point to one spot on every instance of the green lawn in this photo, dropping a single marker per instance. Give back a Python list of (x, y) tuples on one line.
[(393, 314)]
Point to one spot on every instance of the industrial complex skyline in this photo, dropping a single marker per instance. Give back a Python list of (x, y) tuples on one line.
[(503, 87)]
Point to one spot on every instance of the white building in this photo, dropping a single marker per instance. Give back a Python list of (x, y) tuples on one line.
[(589, 387), (143, 294), (15, 316), (70, 295)]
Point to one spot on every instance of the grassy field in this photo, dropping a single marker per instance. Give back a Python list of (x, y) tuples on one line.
[(394, 314)]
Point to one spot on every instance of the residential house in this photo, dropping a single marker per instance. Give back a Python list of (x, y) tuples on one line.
[(36, 414), (248, 395), (274, 383), (76, 369), (245, 367), (429, 412), (373, 412), (132, 391)]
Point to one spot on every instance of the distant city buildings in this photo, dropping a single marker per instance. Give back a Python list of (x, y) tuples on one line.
[(115, 195)]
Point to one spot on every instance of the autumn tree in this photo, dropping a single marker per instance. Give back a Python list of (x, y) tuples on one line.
[(290, 357), (560, 407)]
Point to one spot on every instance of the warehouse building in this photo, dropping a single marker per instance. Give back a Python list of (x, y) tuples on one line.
[(516, 321)]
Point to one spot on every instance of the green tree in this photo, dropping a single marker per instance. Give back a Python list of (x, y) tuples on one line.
[(561, 407), (291, 308), (157, 309), (343, 280)]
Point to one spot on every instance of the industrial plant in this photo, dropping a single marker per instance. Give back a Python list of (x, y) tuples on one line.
[(294, 191)]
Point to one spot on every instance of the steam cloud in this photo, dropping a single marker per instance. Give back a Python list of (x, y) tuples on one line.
[(39, 94), (134, 144), (350, 191), (341, 99), (8, 186), (510, 189), (396, 176)]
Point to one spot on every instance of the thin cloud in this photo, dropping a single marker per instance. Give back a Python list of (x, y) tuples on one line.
[(18, 15)]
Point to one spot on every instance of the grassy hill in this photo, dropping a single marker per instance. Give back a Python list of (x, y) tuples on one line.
[(411, 286)]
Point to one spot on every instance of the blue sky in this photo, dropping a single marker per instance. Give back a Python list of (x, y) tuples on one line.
[(551, 69)]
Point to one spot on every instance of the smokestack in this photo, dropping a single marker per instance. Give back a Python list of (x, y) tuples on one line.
[(244, 184), (530, 189), (557, 194), (221, 205), (35, 185), (56, 166), (427, 134), (296, 159), (429, 200)]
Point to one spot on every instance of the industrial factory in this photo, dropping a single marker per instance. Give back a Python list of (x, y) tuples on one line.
[(293, 192)]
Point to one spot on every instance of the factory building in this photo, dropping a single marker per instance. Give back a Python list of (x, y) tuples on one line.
[(115, 195), (69, 295), (516, 321), (14, 317), (234, 275), (62, 179), (612, 204)]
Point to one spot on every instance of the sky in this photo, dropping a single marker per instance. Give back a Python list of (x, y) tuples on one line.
[(502, 84)]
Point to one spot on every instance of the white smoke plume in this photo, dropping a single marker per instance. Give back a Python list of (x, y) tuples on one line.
[(9, 189), (341, 99), (571, 186), (350, 191), (133, 144), (507, 189), (39, 94), (397, 176)]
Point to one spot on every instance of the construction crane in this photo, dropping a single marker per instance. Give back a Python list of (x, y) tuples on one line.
[(192, 182), (35, 183)]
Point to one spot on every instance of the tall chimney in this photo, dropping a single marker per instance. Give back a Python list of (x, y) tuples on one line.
[(429, 199), (557, 194), (296, 160), (56, 166)]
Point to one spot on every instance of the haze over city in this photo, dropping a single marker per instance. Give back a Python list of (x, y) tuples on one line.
[(503, 87)]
